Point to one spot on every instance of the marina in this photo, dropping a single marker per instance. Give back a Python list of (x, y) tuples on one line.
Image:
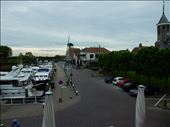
[(25, 82)]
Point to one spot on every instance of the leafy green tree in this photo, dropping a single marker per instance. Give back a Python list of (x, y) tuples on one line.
[(163, 64), (29, 54), (5, 52), (147, 60)]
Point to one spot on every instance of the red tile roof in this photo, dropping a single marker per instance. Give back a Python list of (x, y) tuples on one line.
[(96, 50)]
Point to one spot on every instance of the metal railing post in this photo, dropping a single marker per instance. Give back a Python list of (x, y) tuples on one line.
[(35, 99), (23, 101), (11, 100)]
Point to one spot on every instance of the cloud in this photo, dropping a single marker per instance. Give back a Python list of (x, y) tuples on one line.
[(47, 24), (39, 51)]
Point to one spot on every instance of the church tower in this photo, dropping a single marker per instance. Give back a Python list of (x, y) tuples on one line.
[(163, 31)]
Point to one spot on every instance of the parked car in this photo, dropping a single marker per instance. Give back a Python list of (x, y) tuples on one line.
[(109, 79), (117, 79), (122, 82), (133, 92), (130, 85), (148, 90)]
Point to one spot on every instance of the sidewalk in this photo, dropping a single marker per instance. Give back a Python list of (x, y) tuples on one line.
[(69, 98), (66, 93)]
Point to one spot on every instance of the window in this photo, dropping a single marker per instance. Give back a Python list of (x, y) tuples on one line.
[(159, 29), (163, 27), (91, 55), (97, 56)]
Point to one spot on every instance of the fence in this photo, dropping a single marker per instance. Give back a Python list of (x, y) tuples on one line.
[(31, 100)]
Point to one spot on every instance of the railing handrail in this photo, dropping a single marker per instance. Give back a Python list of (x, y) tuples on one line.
[(33, 100)]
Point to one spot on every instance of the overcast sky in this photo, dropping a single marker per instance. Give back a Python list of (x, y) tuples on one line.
[(42, 27)]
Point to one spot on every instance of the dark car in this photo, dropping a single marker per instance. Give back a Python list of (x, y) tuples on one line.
[(149, 90), (130, 85), (109, 79)]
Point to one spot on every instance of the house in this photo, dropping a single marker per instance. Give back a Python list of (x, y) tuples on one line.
[(91, 54), (84, 56), (136, 49), (72, 55)]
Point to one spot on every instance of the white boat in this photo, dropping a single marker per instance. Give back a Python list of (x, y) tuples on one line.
[(35, 69), (40, 79), (27, 71), (14, 88), (15, 84), (3, 73)]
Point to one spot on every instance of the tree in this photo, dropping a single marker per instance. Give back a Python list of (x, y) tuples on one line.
[(5, 52), (163, 63), (147, 62), (29, 54)]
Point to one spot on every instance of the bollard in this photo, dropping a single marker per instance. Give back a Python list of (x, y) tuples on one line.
[(76, 92), (43, 104), (60, 100)]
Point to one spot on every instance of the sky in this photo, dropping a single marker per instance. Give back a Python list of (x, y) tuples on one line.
[(43, 27)]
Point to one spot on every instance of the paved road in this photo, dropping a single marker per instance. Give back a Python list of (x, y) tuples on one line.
[(101, 105)]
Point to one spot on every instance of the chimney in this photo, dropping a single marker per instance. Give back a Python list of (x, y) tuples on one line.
[(140, 45)]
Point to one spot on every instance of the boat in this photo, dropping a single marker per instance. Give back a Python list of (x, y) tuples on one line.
[(40, 79), (3, 73), (17, 84), (14, 88)]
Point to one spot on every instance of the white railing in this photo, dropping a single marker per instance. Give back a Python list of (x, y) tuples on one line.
[(32, 100)]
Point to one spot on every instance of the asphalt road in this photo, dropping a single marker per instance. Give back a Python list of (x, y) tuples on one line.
[(104, 105), (101, 105)]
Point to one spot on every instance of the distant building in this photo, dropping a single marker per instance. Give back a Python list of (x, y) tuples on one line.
[(163, 32), (136, 49), (72, 53), (84, 56), (91, 54)]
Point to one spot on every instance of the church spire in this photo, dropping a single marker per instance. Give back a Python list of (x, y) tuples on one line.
[(163, 6), (163, 18)]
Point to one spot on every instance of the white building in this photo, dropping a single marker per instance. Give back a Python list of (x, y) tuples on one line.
[(91, 54)]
